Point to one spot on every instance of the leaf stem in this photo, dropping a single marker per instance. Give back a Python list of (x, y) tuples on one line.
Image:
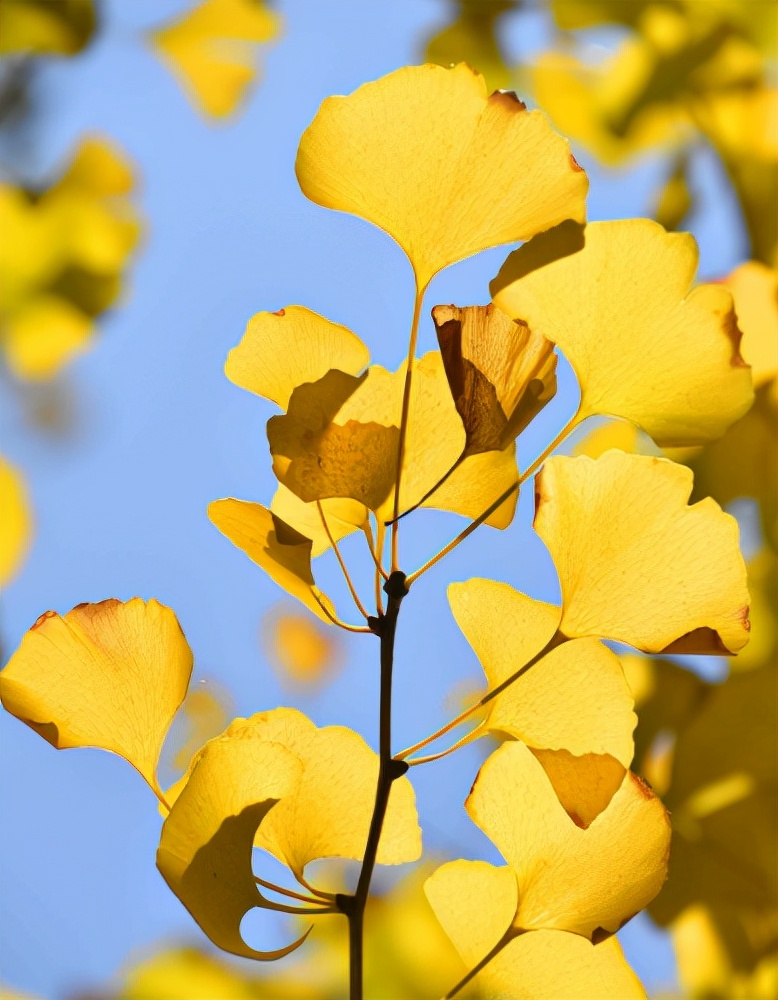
[(344, 568), (467, 738), (531, 470), (404, 421), (389, 770), (336, 621), (290, 892), (505, 940)]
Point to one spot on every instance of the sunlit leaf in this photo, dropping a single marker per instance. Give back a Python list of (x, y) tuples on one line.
[(110, 675), (283, 553), (205, 850), (400, 151), (212, 51), (619, 434), (589, 881), (635, 563), (643, 344), (282, 350), (15, 521)]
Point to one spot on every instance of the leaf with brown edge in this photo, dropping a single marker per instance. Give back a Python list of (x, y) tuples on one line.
[(284, 349), (110, 675), (588, 881), (569, 700), (283, 553), (643, 343), (501, 374), (476, 904), (205, 850), (635, 563), (400, 152)]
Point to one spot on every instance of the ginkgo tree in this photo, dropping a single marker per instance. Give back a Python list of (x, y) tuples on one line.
[(447, 170)]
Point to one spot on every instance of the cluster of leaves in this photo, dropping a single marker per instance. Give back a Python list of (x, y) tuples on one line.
[(446, 170)]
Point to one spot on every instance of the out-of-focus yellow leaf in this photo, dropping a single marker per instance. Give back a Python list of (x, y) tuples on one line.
[(589, 881), (635, 563), (643, 344), (328, 813), (211, 50), (301, 650), (45, 334), (398, 152), (40, 27), (754, 288), (204, 713), (282, 350), (501, 373), (15, 521), (574, 698), (472, 37), (283, 553), (674, 199), (110, 675), (619, 434), (205, 849)]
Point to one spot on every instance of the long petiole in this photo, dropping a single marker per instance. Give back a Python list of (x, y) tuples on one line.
[(404, 421), (506, 939), (556, 640), (328, 896), (336, 621), (467, 738), (290, 892), (531, 470), (344, 568)]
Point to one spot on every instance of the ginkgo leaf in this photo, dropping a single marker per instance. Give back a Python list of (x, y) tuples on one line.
[(589, 881), (619, 434), (500, 372), (329, 812), (205, 850), (109, 675), (472, 37), (15, 521), (44, 335), (573, 698), (284, 349), (400, 151), (211, 50), (476, 902), (635, 563), (283, 553), (342, 516), (644, 345)]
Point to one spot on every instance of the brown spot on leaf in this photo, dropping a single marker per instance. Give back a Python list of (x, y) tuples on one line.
[(507, 99), (42, 618), (642, 786), (280, 312), (743, 618), (735, 334), (575, 164)]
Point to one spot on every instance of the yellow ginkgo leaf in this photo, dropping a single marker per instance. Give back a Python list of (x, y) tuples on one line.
[(302, 651), (38, 27), (399, 152), (754, 288), (619, 434), (342, 517), (15, 521), (109, 675), (284, 349), (501, 373), (205, 850), (589, 881), (283, 553), (211, 50), (328, 813), (643, 344), (476, 902), (635, 563), (98, 167), (573, 698)]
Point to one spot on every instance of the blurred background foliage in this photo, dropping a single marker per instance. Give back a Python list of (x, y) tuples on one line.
[(624, 79)]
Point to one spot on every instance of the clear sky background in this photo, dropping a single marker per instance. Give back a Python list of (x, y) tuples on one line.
[(157, 431)]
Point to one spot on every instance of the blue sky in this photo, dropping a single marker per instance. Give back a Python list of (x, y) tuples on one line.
[(158, 431)]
